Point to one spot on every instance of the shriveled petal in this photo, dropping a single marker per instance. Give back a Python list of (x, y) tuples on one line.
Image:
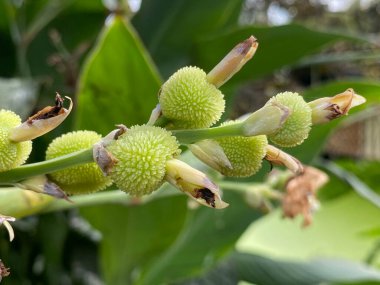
[(101, 155), (4, 271), (42, 122), (211, 153), (233, 62), (300, 197), (330, 108), (279, 157), (266, 120), (4, 220), (41, 184), (156, 113), (194, 183)]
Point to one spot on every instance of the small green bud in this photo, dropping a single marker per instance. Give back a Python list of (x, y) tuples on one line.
[(81, 179), (141, 154), (12, 154), (297, 126), (190, 101), (244, 153)]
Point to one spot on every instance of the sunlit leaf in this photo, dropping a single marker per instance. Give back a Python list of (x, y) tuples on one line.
[(119, 83), (336, 231)]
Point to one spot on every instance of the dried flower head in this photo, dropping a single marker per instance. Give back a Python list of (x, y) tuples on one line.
[(85, 178), (300, 197), (190, 101)]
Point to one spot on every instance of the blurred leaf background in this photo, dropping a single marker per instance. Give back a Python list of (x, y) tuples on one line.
[(112, 56)]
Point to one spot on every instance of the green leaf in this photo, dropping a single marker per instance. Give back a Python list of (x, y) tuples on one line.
[(134, 236), (170, 28), (206, 237), (278, 47), (119, 83), (336, 232), (265, 271)]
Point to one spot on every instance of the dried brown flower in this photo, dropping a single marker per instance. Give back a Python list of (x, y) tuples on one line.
[(300, 196)]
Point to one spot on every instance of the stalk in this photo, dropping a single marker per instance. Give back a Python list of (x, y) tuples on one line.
[(48, 166), (106, 197), (193, 135)]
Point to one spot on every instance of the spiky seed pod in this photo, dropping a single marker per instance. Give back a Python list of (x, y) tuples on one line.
[(244, 153), (190, 101), (297, 126), (80, 179), (12, 154), (141, 154)]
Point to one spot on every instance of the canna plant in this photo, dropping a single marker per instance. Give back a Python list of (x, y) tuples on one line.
[(139, 159)]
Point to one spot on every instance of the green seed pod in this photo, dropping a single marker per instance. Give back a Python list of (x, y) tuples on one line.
[(190, 101), (12, 154), (141, 155), (244, 153), (297, 126), (81, 179)]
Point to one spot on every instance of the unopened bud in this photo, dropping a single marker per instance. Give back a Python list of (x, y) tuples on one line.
[(233, 62)]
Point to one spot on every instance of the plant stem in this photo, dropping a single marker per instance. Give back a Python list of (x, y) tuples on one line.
[(106, 197), (193, 135), (48, 166)]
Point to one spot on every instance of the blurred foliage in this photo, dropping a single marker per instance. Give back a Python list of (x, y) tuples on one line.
[(113, 67)]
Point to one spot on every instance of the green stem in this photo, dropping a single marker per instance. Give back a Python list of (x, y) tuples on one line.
[(106, 197), (48, 166), (193, 135), (236, 186)]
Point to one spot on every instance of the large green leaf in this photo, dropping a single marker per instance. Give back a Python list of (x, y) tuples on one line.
[(134, 236), (119, 83), (337, 231), (278, 47), (207, 236), (170, 28), (265, 271)]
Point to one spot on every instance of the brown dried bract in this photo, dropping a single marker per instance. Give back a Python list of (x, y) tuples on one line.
[(49, 111), (207, 195), (300, 197)]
